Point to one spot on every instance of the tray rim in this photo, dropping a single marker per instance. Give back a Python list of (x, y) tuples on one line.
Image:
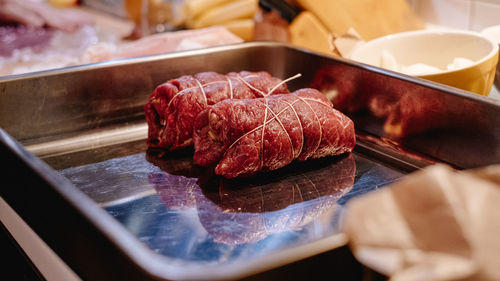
[(223, 48)]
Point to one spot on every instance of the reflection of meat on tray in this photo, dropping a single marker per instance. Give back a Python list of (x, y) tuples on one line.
[(176, 185), (407, 108), (331, 176), (247, 136), (172, 107), (248, 210)]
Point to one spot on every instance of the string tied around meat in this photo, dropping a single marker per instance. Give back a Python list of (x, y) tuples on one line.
[(276, 116), (203, 94), (201, 86), (273, 89), (283, 82)]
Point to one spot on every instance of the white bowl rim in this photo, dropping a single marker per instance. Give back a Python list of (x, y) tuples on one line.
[(404, 34)]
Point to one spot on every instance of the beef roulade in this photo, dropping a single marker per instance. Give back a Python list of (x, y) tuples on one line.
[(173, 106), (243, 137)]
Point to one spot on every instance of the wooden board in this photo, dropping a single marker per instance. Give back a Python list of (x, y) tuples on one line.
[(370, 18)]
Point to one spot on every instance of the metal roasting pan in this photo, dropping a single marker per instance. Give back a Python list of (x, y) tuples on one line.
[(79, 173)]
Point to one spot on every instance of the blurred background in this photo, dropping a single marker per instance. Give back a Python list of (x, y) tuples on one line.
[(38, 35)]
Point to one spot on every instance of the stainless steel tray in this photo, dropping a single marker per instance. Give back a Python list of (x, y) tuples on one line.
[(115, 210)]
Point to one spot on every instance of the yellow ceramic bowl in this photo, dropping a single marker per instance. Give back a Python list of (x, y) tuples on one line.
[(476, 57)]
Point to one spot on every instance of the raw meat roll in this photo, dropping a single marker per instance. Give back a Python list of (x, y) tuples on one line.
[(243, 137), (173, 106)]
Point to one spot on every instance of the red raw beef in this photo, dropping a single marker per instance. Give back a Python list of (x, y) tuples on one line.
[(243, 137), (173, 106)]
